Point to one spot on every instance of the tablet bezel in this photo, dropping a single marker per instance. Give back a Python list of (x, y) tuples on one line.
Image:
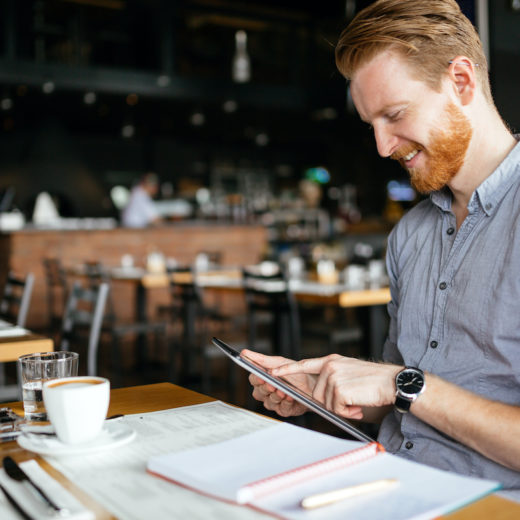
[(292, 391)]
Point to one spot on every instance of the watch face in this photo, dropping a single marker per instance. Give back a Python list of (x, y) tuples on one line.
[(410, 382)]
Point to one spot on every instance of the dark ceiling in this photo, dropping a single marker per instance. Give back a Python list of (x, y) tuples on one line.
[(174, 55)]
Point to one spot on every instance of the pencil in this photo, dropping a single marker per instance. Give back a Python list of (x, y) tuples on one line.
[(331, 497)]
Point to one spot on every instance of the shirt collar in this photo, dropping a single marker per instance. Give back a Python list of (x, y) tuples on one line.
[(491, 191)]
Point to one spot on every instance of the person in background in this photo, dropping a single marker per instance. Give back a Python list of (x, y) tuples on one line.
[(140, 211), (448, 391)]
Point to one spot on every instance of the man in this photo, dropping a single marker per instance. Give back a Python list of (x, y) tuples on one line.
[(140, 211), (418, 76)]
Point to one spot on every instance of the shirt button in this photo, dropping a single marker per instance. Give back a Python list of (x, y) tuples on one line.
[(489, 206), (450, 231), (409, 445), (433, 344), (443, 286)]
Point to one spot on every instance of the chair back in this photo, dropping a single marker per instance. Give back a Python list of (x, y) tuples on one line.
[(57, 290), (84, 310), (97, 273), (16, 298), (269, 293)]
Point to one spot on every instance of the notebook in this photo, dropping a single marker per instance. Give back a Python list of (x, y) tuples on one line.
[(274, 468)]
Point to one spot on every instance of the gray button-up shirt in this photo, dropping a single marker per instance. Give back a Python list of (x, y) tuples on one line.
[(455, 312)]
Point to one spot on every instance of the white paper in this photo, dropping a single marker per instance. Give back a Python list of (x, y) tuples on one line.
[(118, 480), (31, 502)]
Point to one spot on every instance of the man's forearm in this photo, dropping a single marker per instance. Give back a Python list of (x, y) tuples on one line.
[(489, 427)]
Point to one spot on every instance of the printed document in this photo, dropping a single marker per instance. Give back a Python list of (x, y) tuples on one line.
[(117, 479)]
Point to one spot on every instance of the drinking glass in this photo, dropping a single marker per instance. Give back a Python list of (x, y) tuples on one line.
[(35, 369)]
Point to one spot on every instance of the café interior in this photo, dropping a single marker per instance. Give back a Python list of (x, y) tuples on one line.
[(261, 160), (274, 206)]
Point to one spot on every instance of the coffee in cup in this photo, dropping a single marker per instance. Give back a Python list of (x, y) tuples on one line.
[(77, 407)]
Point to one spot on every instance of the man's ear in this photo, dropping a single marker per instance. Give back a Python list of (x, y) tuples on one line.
[(463, 77)]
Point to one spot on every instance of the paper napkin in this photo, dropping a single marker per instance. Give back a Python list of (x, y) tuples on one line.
[(11, 332), (28, 499)]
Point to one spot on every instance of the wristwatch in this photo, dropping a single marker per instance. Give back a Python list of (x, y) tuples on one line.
[(410, 384)]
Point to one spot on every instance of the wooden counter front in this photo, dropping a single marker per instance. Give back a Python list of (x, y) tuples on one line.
[(23, 251)]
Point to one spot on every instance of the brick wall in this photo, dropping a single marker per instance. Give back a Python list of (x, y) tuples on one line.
[(24, 251)]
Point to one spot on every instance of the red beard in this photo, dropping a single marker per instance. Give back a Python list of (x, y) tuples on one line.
[(444, 155)]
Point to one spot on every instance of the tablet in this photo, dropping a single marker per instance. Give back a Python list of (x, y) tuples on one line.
[(289, 389)]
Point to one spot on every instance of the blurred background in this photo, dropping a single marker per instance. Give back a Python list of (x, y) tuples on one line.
[(238, 110), (232, 103)]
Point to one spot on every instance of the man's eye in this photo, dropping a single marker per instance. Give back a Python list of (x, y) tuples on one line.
[(395, 116)]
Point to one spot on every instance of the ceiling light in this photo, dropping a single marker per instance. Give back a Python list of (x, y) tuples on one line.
[(350, 8), (6, 103), (325, 114), (241, 66), (48, 87), (230, 106), (262, 139), (89, 98), (128, 131), (197, 119), (163, 80)]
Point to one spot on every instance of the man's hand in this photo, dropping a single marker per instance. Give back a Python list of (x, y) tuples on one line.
[(346, 385), (272, 398)]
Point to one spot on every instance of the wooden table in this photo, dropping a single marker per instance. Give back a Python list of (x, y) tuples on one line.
[(11, 348), (162, 396), (229, 279)]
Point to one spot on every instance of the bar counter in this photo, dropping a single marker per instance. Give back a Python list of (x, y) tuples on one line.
[(24, 250)]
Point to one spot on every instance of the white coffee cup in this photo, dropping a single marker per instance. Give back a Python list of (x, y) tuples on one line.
[(355, 277), (77, 407)]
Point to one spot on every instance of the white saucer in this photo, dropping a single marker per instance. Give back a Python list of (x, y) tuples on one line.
[(114, 434)]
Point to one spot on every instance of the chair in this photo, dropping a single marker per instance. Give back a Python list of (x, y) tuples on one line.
[(111, 326), (14, 308), (84, 311), (16, 298), (268, 298), (335, 329), (198, 323), (57, 292)]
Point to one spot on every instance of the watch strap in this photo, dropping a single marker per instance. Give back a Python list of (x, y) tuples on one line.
[(402, 405)]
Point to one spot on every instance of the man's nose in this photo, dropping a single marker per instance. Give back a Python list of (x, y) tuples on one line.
[(386, 142)]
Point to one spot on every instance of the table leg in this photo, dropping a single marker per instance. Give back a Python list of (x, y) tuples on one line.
[(189, 335), (141, 317)]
